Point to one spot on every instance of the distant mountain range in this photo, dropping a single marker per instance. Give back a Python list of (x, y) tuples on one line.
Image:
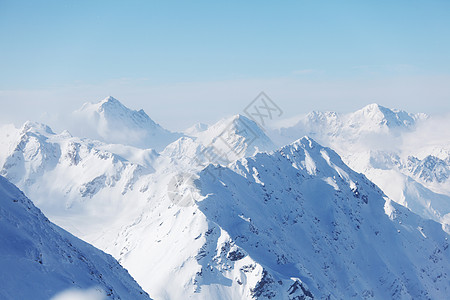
[(372, 141)]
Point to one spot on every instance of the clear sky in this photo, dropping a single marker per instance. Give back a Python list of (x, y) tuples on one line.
[(190, 61)]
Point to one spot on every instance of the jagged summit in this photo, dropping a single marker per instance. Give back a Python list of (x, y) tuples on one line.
[(112, 122), (111, 100), (225, 141), (237, 135), (36, 127), (314, 115), (429, 169), (237, 123), (108, 101), (241, 121), (112, 110), (376, 115), (303, 142)]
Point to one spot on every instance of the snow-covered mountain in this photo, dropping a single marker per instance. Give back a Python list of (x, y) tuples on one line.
[(112, 122), (78, 183), (223, 142), (372, 121), (218, 219), (373, 140), (295, 224), (236, 134), (97, 190), (374, 117), (429, 169), (39, 260), (84, 176)]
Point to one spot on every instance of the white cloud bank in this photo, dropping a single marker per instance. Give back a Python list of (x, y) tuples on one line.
[(179, 105)]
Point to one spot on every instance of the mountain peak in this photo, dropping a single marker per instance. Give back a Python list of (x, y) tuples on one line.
[(112, 122), (304, 142), (229, 139), (376, 116), (374, 109), (36, 127), (312, 192), (111, 105), (240, 117), (110, 99), (240, 120), (373, 106), (244, 127)]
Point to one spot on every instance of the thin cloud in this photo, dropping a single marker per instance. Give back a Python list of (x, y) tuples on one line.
[(306, 72)]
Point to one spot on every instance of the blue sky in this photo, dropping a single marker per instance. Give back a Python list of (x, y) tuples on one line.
[(200, 60)]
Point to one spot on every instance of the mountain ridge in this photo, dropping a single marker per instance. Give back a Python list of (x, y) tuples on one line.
[(335, 211), (42, 260)]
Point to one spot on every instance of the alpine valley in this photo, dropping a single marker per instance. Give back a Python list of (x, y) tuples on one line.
[(335, 206)]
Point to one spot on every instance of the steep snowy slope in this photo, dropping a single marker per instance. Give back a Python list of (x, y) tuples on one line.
[(293, 224), (112, 122), (384, 145), (39, 260), (334, 231)]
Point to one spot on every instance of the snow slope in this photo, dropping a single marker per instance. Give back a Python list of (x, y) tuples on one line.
[(112, 122), (39, 260)]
